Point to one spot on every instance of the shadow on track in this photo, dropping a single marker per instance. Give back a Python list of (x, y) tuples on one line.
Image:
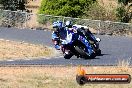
[(104, 54), (98, 57), (82, 59)]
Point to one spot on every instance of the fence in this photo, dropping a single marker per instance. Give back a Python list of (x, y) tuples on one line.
[(13, 18), (39, 21)]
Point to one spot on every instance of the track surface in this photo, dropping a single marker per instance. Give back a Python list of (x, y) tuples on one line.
[(114, 48)]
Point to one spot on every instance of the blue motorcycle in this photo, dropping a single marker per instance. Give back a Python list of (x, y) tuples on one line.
[(77, 44), (94, 42)]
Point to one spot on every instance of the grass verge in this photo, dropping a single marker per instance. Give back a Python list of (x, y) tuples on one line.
[(19, 50), (55, 77)]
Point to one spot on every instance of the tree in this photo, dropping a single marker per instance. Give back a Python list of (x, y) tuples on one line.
[(125, 2), (124, 12), (72, 8), (13, 4)]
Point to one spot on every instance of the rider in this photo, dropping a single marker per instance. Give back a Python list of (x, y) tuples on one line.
[(60, 32), (68, 24), (56, 35)]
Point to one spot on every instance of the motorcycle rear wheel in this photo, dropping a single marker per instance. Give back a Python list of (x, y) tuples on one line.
[(68, 56)]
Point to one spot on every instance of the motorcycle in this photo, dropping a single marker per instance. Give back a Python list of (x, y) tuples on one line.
[(77, 44), (85, 32), (92, 39)]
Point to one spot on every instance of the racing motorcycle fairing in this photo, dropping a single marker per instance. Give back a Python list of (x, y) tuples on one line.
[(76, 43)]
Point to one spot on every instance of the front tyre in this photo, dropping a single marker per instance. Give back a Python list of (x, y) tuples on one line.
[(98, 52), (81, 49), (92, 56)]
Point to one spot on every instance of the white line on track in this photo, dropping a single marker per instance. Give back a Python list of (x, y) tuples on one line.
[(59, 57), (10, 60)]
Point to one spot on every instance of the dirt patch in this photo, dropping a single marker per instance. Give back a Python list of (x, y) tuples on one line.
[(108, 4), (55, 77), (17, 50)]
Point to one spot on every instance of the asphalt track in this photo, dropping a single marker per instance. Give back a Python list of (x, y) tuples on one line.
[(114, 49)]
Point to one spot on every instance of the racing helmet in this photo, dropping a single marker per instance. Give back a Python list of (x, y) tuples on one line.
[(58, 24), (68, 24)]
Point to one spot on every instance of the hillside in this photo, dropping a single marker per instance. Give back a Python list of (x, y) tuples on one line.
[(108, 4)]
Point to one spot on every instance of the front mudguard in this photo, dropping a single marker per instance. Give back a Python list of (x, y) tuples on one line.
[(95, 46), (97, 49)]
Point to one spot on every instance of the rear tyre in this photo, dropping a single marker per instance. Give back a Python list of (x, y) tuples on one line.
[(68, 56)]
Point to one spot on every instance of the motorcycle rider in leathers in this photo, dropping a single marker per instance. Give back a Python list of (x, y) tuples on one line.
[(60, 32)]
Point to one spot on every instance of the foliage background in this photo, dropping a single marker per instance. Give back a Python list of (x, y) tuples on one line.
[(70, 8), (90, 9)]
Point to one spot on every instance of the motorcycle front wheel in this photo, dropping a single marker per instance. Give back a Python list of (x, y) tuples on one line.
[(81, 50)]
